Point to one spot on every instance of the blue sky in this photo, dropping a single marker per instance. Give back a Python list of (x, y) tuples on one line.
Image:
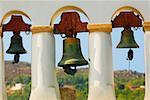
[(119, 55)]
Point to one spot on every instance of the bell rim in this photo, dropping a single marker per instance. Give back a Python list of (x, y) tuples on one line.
[(60, 65), (15, 52), (136, 46)]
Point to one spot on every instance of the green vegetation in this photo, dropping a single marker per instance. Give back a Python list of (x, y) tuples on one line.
[(79, 81), (22, 94), (127, 88), (131, 90)]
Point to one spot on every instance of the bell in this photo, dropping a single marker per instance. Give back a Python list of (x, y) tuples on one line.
[(127, 39), (16, 47), (72, 55)]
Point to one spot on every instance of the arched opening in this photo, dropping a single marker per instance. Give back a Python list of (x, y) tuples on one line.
[(64, 9), (18, 74), (127, 8), (129, 74), (80, 80), (12, 12)]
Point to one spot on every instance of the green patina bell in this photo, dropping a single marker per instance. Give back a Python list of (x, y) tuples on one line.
[(72, 55), (127, 39), (16, 47)]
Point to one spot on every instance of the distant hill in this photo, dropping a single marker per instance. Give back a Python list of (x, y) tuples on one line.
[(117, 74), (128, 74), (129, 85), (13, 70)]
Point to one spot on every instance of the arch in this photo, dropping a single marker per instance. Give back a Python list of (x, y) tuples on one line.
[(63, 9), (124, 8), (12, 12)]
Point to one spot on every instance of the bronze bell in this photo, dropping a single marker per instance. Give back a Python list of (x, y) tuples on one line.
[(72, 55), (16, 47), (127, 39)]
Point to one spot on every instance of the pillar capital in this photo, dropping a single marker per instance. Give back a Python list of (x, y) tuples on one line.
[(146, 26), (38, 29), (99, 27)]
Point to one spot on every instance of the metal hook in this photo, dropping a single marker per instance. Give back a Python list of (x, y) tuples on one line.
[(27, 32), (63, 36)]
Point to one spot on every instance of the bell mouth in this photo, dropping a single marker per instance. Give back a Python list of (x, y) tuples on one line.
[(73, 63), (16, 52), (121, 45), (129, 46)]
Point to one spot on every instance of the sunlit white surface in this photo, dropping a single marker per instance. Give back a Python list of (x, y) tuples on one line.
[(3, 95), (101, 83), (43, 68), (147, 64)]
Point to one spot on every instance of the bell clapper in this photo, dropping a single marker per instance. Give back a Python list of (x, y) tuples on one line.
[(16, 58), (130, 57), (69, 70)]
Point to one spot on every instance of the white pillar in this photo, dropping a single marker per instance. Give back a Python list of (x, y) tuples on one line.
[(3, 94), (44, 83), (101, 83), (147, 64)]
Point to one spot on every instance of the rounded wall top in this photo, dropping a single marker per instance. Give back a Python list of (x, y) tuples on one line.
[(127, 8), (99, 12), (12, 12), (63, 9)]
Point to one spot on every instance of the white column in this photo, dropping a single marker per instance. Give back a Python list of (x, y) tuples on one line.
[(3, 94), (44, 83), (101, 83), (147, 64)]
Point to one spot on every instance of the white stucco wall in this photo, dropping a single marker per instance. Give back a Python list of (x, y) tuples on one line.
[(41, 11)]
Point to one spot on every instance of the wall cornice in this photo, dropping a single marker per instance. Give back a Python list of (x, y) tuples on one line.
[(99, 27), (146, 26), (90, 27), (39, 29)]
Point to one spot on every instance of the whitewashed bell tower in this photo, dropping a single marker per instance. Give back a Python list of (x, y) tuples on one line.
[(43, 14)]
